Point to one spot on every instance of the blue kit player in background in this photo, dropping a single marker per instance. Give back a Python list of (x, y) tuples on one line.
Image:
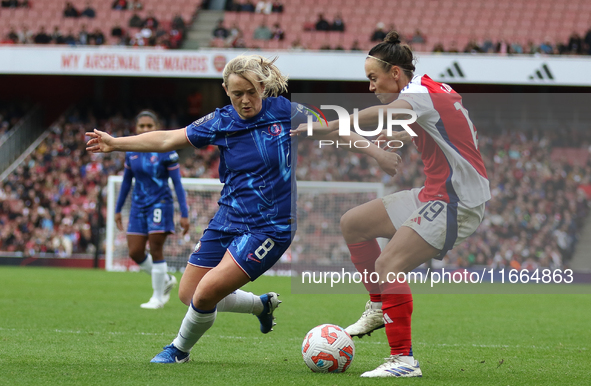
[(256, 220), (151, 216)]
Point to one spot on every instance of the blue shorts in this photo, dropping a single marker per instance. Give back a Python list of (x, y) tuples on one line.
[(157, 218), (255, 253)]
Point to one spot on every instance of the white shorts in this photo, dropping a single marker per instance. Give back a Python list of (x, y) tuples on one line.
[(440, 224)]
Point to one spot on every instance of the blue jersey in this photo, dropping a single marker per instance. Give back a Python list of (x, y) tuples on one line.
[(151, 172), (257, 162)]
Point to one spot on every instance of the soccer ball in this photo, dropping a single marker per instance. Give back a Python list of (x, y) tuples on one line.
[(328, 349)]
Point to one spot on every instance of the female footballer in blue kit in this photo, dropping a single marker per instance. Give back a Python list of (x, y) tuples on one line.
[(256, 220), (151, 215)]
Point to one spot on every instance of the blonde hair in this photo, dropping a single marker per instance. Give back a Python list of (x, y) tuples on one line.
[(257, 69)]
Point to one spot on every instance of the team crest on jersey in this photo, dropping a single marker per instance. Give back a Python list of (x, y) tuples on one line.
[(197, 247), (204, 119), (275, 129), (174, 157), (154, 159)]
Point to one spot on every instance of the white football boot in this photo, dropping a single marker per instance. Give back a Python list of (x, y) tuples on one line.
[(171, 282), (395, 367), (153, 304), (371, 320)]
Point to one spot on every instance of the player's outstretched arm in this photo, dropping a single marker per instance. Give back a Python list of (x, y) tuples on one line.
[(319, 131), (157, 141), (401, 136)]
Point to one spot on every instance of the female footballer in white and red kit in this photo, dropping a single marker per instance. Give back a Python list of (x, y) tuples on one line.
[(422, 223)]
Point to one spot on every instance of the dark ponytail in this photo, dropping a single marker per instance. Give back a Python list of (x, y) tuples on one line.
[(148, 113), (392, 52)]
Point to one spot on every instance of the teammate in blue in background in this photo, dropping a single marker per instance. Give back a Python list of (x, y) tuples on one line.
[(256, 219), (151, 216)]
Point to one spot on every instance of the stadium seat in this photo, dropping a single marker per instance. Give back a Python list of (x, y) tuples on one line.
[(231, 17)]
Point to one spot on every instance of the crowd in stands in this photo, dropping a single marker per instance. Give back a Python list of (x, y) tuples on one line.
[(538, 206), (140, 31), (265, 7), (49, 204), (83, 37), (10, 114), (148, 32), (234, 37), (15, 4), (576, 45), (324, 25)]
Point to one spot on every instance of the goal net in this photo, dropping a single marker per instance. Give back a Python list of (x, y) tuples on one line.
[(318, 241)]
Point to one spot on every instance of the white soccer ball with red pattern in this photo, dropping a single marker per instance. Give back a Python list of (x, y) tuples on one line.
[(328, 349)]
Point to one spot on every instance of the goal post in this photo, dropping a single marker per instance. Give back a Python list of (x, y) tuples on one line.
[(318, 240)]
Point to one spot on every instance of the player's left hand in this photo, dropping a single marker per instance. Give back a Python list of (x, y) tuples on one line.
[(389, 162), (185, 225)]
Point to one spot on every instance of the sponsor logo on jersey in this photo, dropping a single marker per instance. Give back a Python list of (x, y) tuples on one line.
[(197, 247), (154, 159), (417, 220), (134, 157), (275, 129), (204, 119)]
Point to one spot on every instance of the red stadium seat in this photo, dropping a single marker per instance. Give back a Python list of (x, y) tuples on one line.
[(273, 44), (231, 17)]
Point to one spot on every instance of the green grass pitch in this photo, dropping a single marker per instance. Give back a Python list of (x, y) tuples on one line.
[(85, 327)]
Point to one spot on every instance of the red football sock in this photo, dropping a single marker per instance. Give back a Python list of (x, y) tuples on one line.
[(364, 256), (397, 308), (376, 298)]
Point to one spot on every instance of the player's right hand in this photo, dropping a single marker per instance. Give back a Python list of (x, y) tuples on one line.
[(119, 221), (389, 162), (100, 142), (185, 225)]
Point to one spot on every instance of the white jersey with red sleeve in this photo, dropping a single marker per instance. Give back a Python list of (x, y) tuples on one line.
[(448, 144)]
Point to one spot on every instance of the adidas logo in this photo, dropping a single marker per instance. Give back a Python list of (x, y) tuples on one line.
[(417, 220), (543, 73), (452, 72)]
